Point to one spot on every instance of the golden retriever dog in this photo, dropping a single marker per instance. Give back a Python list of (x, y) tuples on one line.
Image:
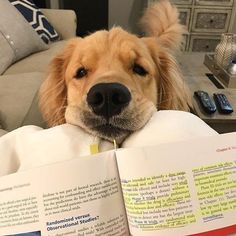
[(111, 82)]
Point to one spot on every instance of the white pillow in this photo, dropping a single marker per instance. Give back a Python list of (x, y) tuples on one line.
[(169, 126), (32, 146)]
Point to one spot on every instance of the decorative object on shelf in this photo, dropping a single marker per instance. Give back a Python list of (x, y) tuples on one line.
[(226, 77), (226, 50), (232, 67)]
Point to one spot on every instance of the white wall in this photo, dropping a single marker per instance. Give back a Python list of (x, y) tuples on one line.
[(126, 13)]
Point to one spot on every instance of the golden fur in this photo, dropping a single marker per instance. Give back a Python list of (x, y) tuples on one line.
[(109, 57)]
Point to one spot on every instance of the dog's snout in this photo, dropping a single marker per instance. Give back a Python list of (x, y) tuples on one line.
[(108, 99)]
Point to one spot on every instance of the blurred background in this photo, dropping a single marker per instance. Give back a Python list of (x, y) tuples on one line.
[(205, 20)]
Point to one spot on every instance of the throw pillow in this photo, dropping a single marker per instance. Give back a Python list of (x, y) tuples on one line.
[(17, 38), (36, 19)]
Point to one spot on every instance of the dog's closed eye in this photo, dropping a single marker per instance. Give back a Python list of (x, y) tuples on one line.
[(137, 69), (81, 72)]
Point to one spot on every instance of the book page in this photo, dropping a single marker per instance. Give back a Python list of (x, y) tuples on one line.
[(77, 197), (180, 188)]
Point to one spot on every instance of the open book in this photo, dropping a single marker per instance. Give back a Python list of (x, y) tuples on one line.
[(184, 188)]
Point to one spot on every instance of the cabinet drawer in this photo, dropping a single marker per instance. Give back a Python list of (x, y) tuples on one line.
[(184, 2), (211, 20), (184, 16), (203, 43), (214, 2)]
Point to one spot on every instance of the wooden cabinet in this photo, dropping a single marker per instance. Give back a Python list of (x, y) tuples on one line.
[(205, 21), (214, 2)]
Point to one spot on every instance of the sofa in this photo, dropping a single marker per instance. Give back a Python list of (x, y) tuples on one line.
[(20, 83)]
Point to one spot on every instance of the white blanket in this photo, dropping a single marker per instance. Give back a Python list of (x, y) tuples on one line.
[(31, 146)]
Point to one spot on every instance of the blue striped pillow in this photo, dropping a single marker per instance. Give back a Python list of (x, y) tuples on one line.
[(36, 19)]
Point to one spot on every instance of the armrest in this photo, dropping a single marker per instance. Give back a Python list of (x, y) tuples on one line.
[(64, 21)]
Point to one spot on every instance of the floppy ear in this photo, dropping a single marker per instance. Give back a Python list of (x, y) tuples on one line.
[(53, 93), (173, 93)]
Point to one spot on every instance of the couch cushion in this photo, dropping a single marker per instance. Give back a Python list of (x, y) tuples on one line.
[(37, 62), (18, 100), (17, 38), (36, 19)]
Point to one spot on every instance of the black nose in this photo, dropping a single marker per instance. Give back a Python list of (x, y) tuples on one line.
[(108, 99)]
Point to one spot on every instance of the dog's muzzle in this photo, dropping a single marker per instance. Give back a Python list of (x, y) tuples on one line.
[(108, 99)]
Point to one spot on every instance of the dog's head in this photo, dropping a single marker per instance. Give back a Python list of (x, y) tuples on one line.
[(110, 83)]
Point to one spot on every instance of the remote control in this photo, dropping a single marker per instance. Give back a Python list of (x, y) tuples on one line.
[(206, 102), (222, 103)]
